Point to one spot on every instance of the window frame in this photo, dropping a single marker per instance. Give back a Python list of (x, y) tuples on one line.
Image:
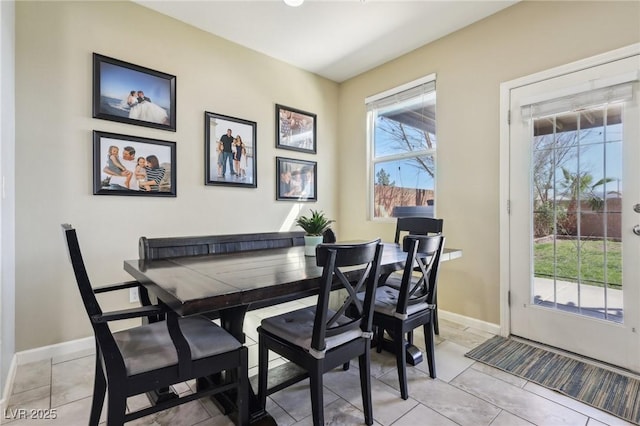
[(370, 142)]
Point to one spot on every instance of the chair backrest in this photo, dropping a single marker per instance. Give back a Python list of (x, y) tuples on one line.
[(339, 272), (418, 226), (101, 329), (423, 254), (329, 236), (84, 285)]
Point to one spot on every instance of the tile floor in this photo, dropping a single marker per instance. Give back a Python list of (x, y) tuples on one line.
[(465, 392)]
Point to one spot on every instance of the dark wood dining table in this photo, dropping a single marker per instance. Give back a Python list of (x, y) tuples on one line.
[(232, 284)]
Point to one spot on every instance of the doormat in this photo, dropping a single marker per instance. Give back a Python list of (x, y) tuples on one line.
[(601, 388)]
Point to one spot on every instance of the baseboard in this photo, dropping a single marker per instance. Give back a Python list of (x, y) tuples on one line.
[(469, 322), (40, 354), (8, 386), (57, 350)]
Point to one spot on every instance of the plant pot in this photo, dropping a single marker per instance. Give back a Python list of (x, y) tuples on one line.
[(310, 243)]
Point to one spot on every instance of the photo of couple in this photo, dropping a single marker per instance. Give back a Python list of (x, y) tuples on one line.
[(129, 93), (230, 153), (141, 108), (130, 166)]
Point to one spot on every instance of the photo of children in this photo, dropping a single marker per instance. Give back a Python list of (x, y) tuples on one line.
[(131, 166)]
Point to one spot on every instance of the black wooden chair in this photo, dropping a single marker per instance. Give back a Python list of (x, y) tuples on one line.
[(400, 311), (329, 236), (319, 339), (141, 359), (416, 225)]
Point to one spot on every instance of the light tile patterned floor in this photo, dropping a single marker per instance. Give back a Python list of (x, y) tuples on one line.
[(465, 392)]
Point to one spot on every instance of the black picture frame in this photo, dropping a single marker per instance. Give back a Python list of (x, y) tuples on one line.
[(295, 129), (230, 171), (292, 180), (113, 84), (109, 180)]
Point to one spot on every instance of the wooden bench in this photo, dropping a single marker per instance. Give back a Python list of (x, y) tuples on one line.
[(168, 247)]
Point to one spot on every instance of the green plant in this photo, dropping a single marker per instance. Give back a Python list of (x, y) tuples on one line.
[(316, 224)]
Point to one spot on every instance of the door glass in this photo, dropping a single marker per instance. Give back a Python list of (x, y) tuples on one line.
[(577, 198)]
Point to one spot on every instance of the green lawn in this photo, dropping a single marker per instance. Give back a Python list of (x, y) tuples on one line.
[(591, 263)]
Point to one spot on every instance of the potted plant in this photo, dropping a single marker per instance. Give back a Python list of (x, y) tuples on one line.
[(314, 226)]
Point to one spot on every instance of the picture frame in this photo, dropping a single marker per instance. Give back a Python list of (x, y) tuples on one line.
[(133, 94), (295, 129), (227, 162), (116, 159), (296, 180)]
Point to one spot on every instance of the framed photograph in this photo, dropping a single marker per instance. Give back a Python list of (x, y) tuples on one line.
[(133, 94), (295, 129), (130, 165), (296, 180), (230, 151)]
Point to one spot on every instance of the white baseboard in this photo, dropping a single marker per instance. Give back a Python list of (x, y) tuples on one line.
[(57, 350), (469, 322), (86, 344), (8, 386)]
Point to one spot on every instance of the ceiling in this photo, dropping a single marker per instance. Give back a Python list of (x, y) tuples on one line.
[(337, 39)]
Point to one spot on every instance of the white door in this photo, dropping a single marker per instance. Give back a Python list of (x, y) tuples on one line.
[(574, 167)]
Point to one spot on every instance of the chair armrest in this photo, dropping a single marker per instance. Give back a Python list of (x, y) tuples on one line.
[(116, 286), (139, 312)]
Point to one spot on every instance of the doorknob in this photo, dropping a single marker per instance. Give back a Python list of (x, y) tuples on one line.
[(636, 208), (636, 229)]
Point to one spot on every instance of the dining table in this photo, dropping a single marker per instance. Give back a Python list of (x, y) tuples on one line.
[(228, 285)]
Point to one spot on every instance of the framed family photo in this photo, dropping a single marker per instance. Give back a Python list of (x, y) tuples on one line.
[(297, 180), (133, 94), (230, 151), (130, 165), (295, 129)]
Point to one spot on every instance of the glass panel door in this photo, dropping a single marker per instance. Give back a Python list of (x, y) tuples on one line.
[(574, 265)]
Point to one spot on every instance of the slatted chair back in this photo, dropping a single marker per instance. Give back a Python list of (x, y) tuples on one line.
[(417, 226)]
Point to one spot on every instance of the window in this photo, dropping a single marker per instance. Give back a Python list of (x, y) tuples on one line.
[(402, 145)]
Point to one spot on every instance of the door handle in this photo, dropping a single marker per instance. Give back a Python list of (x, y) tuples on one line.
[(636, 208), (636, 229)]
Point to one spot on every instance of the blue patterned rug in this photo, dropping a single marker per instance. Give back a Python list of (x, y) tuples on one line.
[(601, 388)]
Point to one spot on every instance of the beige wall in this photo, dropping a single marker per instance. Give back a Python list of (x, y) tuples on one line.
[(54, 45), (470, 65)]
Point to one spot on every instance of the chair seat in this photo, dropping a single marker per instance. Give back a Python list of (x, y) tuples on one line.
[(297, 327), (149, 347), (386, 301)]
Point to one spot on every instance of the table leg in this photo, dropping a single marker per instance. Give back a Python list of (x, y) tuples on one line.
[(232, 320), (414, 355)]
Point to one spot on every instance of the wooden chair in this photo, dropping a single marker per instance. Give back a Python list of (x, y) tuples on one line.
[(318, 339), (329, 236), (144, 358), (417, 226), (412, 305)]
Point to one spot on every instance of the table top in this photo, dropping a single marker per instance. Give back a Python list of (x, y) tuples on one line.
[(198, 284)]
